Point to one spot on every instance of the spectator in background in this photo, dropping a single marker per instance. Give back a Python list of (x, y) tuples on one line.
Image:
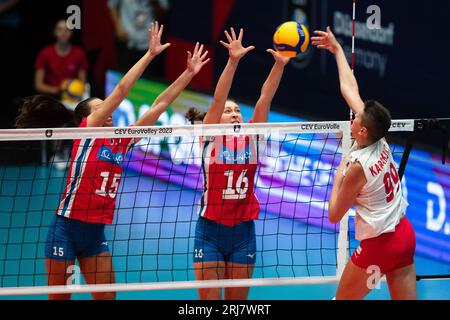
[(58, 62), (9, 29), (132, 20), (98, 38)]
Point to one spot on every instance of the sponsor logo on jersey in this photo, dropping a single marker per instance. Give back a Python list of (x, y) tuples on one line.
[(107, 155), (231, 156)]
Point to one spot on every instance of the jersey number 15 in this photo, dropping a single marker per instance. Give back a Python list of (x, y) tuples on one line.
[(112, 189)]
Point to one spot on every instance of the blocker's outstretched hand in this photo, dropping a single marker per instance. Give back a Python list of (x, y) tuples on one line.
[(279, 58), (155, 34), (234, 45), (325, 40), (196, 60)]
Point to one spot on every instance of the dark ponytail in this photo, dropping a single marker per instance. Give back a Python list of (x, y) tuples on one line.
[(42, 111), (193, 115), (82, 110)]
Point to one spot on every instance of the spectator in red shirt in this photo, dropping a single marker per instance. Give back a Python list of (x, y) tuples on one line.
[(58, 62)]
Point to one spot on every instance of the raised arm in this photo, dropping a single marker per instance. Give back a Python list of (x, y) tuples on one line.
[(195, 63), (349, 85), (236, 52), (122, 89), (270, 87)]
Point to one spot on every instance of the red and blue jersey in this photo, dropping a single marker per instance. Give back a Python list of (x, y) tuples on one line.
[(229, 165), (93, 179)]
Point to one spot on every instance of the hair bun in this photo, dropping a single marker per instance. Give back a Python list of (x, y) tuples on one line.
[(194, 115)]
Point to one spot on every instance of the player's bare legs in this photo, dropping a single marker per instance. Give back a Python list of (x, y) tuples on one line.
[(99, 270), (57, 276), (355, 283), (238, 271), (402, 283), (212, 270)]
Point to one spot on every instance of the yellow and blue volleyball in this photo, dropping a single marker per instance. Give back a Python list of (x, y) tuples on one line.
[(291, 38), (72, 90)]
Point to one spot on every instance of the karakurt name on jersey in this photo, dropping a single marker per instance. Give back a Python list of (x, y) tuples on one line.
[(379, 165)]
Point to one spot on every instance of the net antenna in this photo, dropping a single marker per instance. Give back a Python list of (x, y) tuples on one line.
[(343, 235), (353, 46)]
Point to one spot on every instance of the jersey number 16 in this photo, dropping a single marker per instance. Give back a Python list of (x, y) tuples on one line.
[(240, 190)]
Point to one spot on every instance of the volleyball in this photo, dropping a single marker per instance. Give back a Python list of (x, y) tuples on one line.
[(72, 90), (291, 38)]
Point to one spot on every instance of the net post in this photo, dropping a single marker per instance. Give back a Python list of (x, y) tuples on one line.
[(343, 245)]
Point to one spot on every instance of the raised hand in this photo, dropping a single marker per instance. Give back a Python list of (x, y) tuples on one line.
[(155, 33), (279, 59), (325, 40), (196, 61), (235, 48)]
